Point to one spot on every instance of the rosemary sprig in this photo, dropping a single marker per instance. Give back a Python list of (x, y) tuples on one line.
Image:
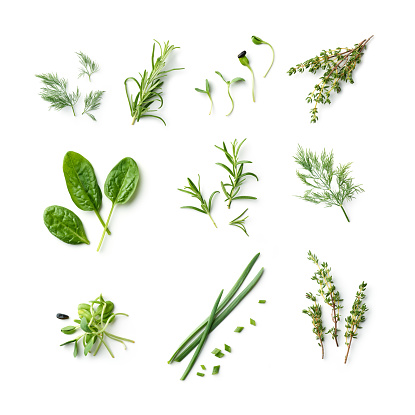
[(357, 316), (314, 311), (239, 222), (88, 66), (229, 83), (338, 65), (236, 174), (328, 292), (194, 191), (150, 85), (207, 92), (54, 92), (319, 176), (92, 103)]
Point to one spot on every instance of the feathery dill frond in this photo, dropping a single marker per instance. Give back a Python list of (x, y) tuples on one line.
[(54, 91), (92, 103), (88, 66), (319, 176), (150, 85)]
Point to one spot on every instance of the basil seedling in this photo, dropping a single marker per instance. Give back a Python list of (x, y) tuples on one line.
[(229, 83), (258, 41), (207, 92)]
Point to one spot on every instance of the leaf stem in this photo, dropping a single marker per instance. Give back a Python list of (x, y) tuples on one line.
[(105, 229), (345, 214), (253, 83), (212, 220), (229, 93), (73, 110), (211, 104), (348, 349), (102, 221), (273, 56)]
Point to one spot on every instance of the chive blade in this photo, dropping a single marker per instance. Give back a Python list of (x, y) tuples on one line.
[(215, 370), (253, 322), (200, 374), (215, 351), (228, 348), (203, 367), (262, 301), (239, 329)]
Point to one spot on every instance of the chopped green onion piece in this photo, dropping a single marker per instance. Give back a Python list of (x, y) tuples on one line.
[(220, 355), (215, 370), (200, 374), (228, 348), (215, 351), (252, 322), (239, 329), (203, 367), (262, 301)]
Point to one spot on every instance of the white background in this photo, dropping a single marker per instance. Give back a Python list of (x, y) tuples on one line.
[(165, 266)]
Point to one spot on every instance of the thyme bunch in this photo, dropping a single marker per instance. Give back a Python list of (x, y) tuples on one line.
[(328, 292), (149, 87), (92, 102), (88, 66), (314, 311), (195, 191), (357, 316), (319, 176), (236, 175), (338, 66), (54, 91)]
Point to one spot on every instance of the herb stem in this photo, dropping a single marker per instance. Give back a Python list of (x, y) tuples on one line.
[(211, 106), (73, 110), (345, 214), (348, 349), (253, 83), (229, 93), (109, 350), (105, 229), (102, 221), (273, 57), (113, 336), (213, 221)]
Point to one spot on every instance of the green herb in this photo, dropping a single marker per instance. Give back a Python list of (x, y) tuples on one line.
[(357, 316), (95, 318), (215, 351), (120, 185), (221, 306), (253, 322), (328, 292), (65, 225), (215, 370), (195, 192), (239, 222), (207, 92), (245, 62), (88, 66), (258, 41), (229, 83), (238, 329), (338, 65), (92, 103), (228, 348), (200, 374), (82, 184), (203, 367), (150, 85), (319, 176), (236, 175), (54, 92), (262, 301), (314, 311), (220, 355), (203, 338)]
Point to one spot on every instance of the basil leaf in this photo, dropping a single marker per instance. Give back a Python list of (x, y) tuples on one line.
[(84, 325), (65, 225), (122, 181), (81, 182)]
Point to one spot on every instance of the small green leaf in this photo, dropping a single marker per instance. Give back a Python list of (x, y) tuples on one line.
[(207, 86), (89, 345), (192, 207), (69, 330), (75, 349), (200, 90), (238, 79), (84, 325), (69, 341)]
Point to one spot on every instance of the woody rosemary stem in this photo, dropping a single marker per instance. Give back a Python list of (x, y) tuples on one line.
[(345, 214)]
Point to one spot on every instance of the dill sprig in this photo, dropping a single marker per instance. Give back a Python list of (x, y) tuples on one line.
[(338, 65), (236, 174), (319, 176), (54, 92), (314, 311), (92, 103), (239, 222), (88, 66), (356, 317), (328, 292), (194, 191), (150, 85)]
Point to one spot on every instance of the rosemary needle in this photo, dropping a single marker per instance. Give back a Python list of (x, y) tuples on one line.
[(204, 337)]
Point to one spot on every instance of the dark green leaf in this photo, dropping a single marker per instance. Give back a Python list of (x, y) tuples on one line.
[(84, 325)]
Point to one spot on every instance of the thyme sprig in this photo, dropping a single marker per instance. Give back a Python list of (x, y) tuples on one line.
[(314, 311), (239, 222), (319, 176), (54, 91), (195, 191), (328, 292), (88, 66), (357, 316), (229, 83), (338, 65), (150, 85), (92, 102), (207, 92), (236, 175)]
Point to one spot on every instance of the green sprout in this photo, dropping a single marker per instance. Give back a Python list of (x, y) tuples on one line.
[(245, 62), (258, 41), (208, 94), (229, 83)]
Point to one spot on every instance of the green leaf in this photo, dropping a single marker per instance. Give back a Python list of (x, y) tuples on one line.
[(75, 349), (250, 174), (89, 345), (65, 225), (221, 76), (244, 197), (238, 79), (226, 168), (69, 329), (210, 199), (200, 90), (122, 181), (194, 208), (69, 341), (207, 86), (84, 325)]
